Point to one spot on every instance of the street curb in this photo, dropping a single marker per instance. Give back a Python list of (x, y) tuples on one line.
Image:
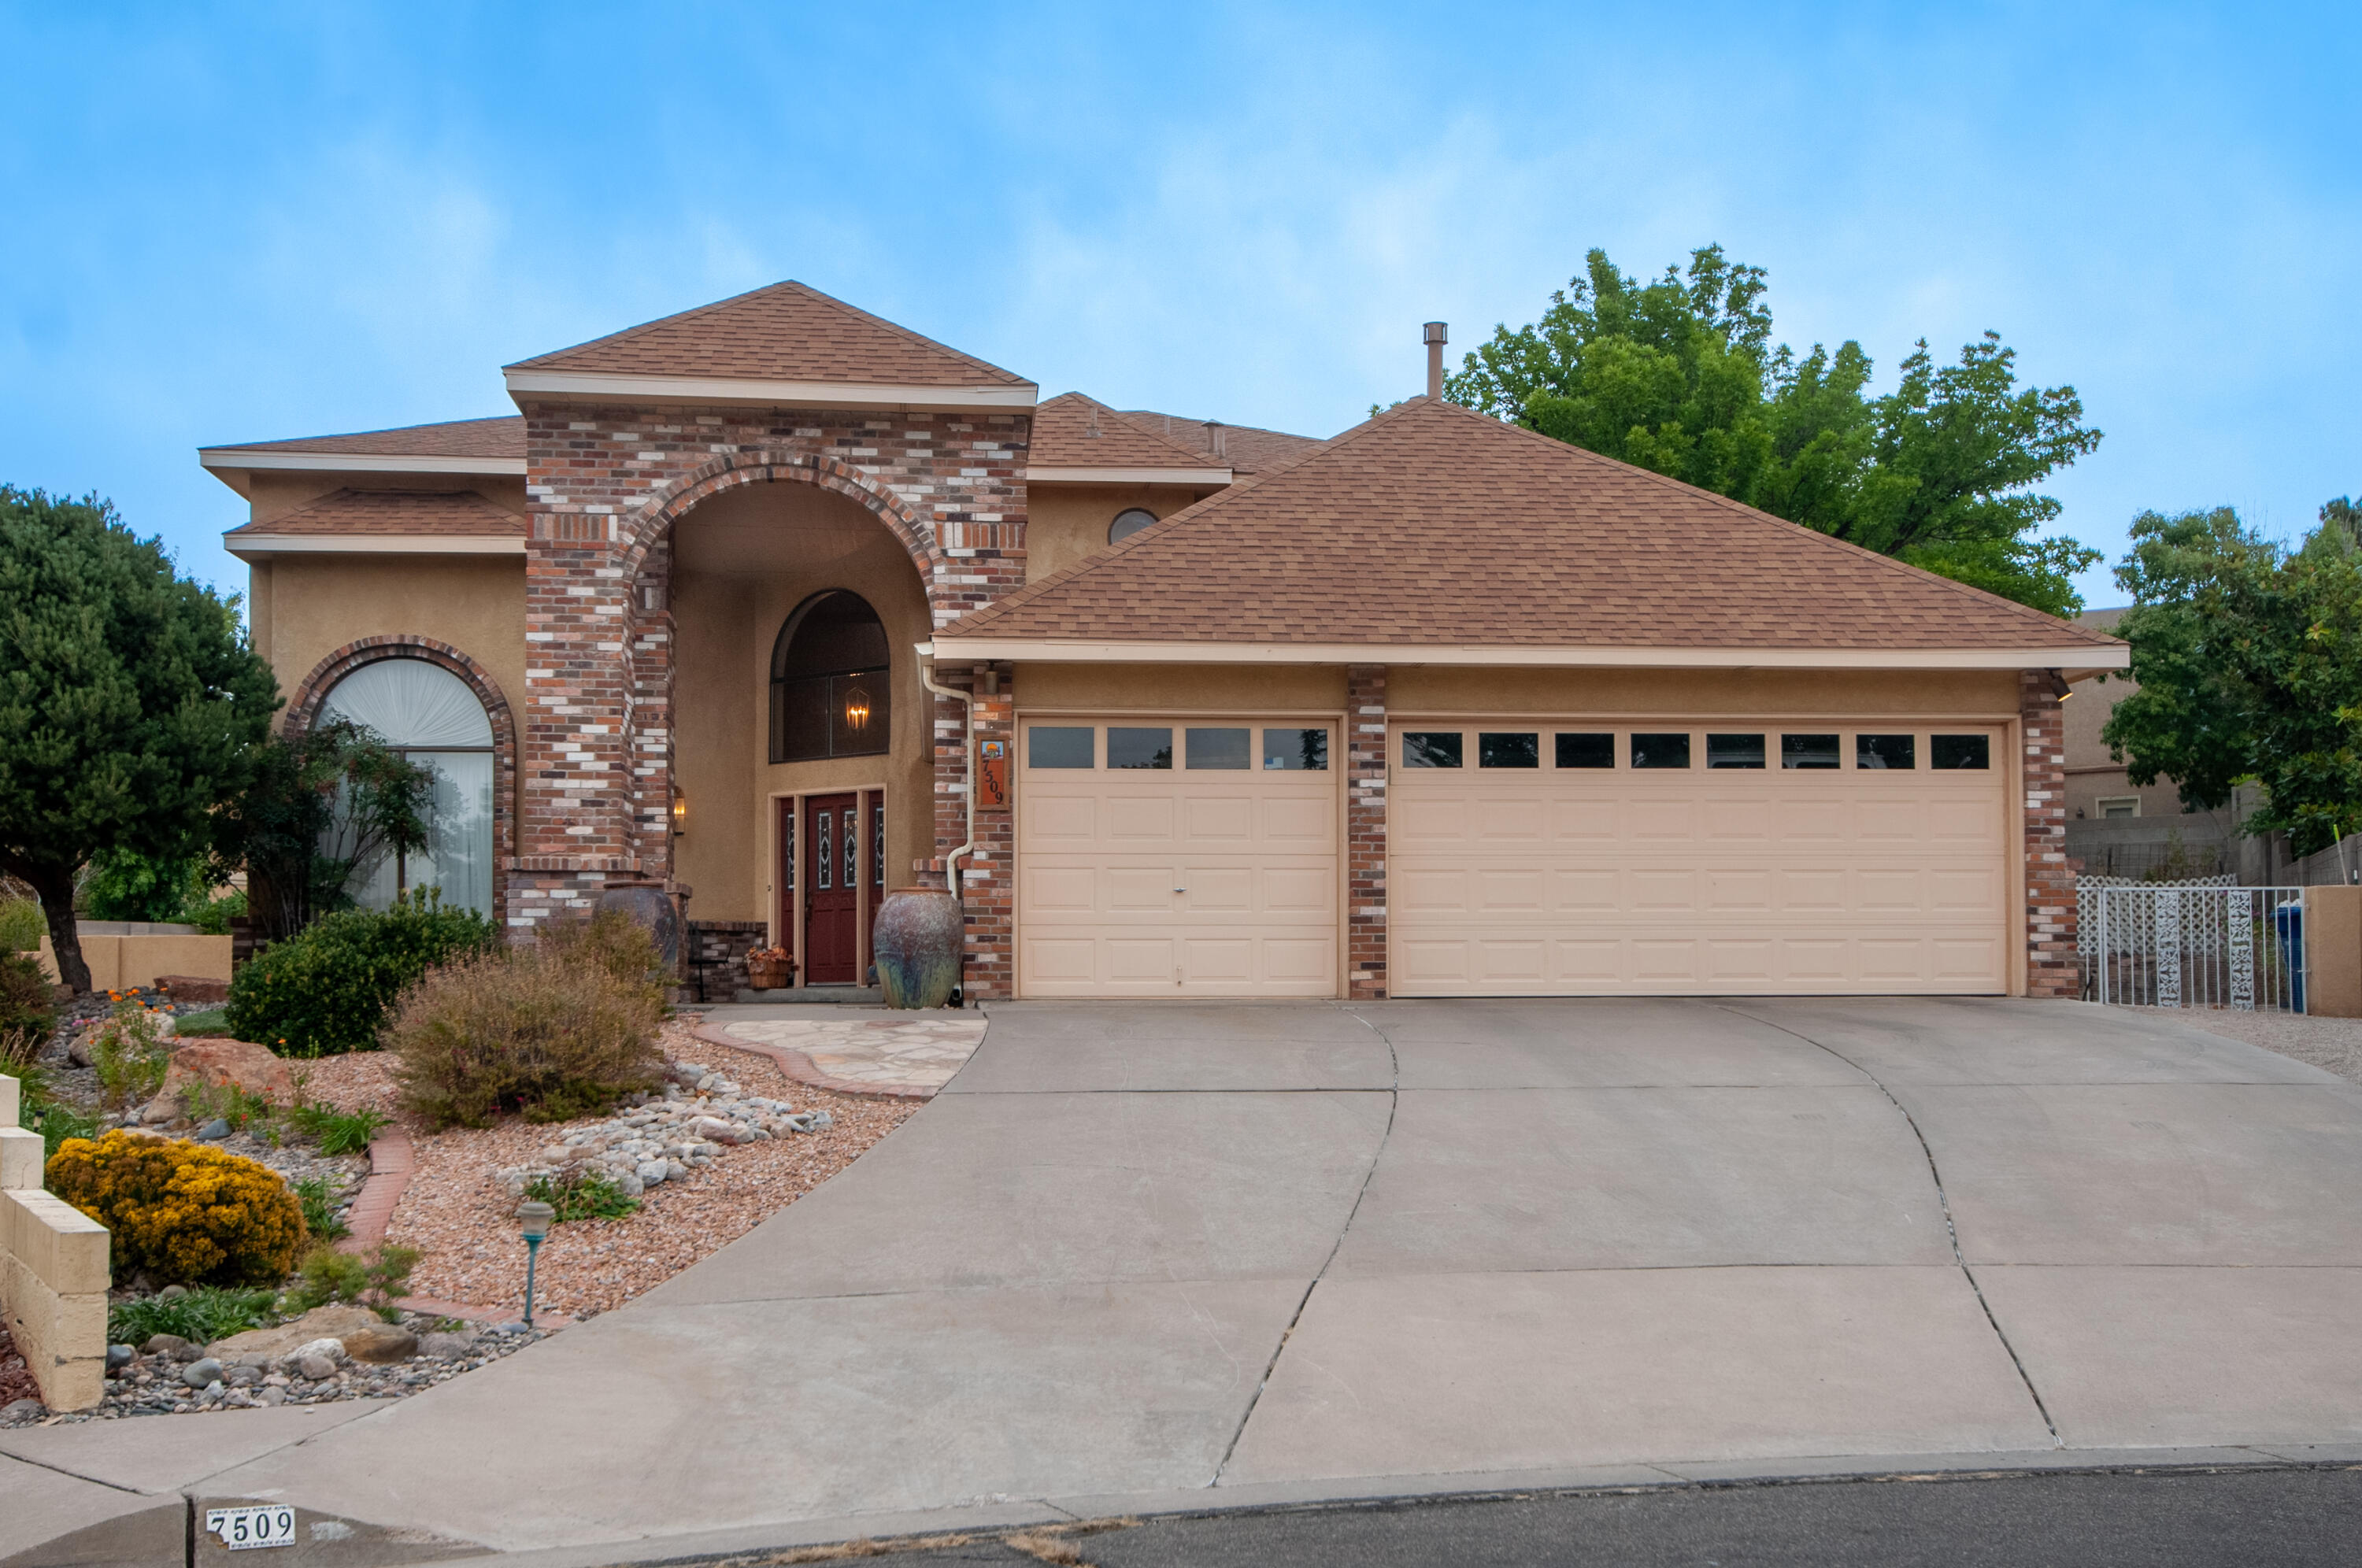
[(1378, 1492)]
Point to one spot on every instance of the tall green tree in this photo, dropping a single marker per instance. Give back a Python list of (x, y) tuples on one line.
[(2249, 660), (1678, 374), (130, 704)]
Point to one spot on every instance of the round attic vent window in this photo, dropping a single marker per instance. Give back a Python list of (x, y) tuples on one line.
[(1128, 522)]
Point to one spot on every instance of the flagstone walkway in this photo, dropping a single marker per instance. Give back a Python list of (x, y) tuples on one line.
[(903, 1054)]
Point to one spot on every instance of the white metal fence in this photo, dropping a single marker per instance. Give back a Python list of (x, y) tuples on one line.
[(2204, 943)]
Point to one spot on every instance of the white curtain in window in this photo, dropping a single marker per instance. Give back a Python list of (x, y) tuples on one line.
[(423, 709), (410, 702)]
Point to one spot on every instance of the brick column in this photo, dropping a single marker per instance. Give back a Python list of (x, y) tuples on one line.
[(2050, 967), (987, 877), (1365, 831), (577, 828)]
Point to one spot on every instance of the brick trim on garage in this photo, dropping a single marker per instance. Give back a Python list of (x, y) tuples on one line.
[(2051, 969), (303, 711), (1365, 831)]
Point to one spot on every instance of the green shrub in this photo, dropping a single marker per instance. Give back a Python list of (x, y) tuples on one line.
[(27, 1001), (327, 990), (372, 1279), (128, 1054), (202, 1025), (585, 1195), (320, 1209), (550, 1031), (211, 916), (22, 925), (180, 1212), (245, 1111), (123, 884), (201, 1317)]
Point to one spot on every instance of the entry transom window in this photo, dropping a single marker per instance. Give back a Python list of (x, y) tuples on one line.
[(433, 720), (1128, 522), (831, 687)]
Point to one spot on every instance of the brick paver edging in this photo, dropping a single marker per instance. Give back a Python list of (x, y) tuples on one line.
[(801, 1068), (393, 1159)]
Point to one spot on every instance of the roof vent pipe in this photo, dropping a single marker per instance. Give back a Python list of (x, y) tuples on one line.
[(1436, 337), (1216, 438)]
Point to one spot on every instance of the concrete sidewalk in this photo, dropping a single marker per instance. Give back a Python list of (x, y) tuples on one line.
[(1168, 1256)]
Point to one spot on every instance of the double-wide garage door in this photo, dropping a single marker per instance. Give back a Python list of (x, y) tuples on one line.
[(1172, 860), (1201, 858), (1670, 858)]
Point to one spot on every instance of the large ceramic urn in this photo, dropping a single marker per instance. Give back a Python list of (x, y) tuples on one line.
[(918, 946), (651, 907)]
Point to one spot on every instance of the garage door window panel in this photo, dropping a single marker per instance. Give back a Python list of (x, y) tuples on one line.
[(1508, 748), (1431, 749), (1224, 749), (1061, 746), (1660, 750), (1886, 752), (1585, 749), (1734, 751), (1138, 748), (1296, 751), (1810, 751), (1952, 752)]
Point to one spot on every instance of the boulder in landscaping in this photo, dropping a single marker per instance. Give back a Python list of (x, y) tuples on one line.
[(380, 1343), (214, 1062), (332, 1322), (193, 987)]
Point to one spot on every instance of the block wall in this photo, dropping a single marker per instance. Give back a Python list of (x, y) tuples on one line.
[(53, 1273)]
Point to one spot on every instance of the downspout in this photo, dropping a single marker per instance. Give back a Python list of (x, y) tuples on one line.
[(968, 728)]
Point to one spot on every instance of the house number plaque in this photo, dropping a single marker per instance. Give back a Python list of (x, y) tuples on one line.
[(992, 774)]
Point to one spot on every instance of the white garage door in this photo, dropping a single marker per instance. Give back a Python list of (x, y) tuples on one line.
[(1175, 860), (1590, 859)]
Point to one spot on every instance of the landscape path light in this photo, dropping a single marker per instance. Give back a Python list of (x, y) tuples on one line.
[(535, 1219)]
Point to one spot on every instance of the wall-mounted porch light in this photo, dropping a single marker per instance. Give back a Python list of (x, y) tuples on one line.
[(856, 709), (679, 813)]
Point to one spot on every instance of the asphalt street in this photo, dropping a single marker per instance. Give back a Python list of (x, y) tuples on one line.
[(2252, 1518)]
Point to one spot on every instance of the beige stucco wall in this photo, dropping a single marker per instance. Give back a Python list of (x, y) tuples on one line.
[(1438, 689), (743, 562), (1159, 688), (306, 607), (275, 493), (1064, 523), (2092, 774)]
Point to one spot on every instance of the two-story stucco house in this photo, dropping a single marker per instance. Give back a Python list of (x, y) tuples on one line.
[(779, 604)]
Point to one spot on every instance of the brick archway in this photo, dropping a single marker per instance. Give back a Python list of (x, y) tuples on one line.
[(652, 524), (313, 690)]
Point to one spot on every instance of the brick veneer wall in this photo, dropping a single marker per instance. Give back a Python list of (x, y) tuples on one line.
[(605, 483), (2050, 965), (717, 948), (1365, 831), (987, 877)]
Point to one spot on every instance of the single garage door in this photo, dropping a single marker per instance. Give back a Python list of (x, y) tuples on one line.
[(1175, 860), (1595, 859)]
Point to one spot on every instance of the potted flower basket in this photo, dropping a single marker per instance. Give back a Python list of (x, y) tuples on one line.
[(769, 968)]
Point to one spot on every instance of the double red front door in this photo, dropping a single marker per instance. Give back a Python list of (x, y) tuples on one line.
[(832, 881)]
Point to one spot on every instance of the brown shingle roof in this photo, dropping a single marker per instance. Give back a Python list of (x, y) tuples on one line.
[(1072, 431), (784, 333), (1250, 450), (439, 514), (1434, 526), (496, 438)]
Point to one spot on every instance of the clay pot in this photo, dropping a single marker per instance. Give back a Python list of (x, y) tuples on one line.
[(919, 932), (771, 974), (651, 907)]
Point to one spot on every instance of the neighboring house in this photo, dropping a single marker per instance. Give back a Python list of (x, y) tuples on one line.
[(1436, 707), (2098, 788)]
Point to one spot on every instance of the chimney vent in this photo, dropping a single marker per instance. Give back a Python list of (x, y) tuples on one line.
[(1435, 336), (1218, 439)]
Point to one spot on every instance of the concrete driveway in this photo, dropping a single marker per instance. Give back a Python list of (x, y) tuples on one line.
[(1141, 1251)]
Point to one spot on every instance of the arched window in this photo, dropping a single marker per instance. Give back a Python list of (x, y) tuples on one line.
[(832, 692), (1128, 522), (431, 717)]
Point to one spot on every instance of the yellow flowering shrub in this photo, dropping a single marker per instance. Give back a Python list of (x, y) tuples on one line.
[(180, 1212)]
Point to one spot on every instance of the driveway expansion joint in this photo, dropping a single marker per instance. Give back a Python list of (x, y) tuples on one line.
[(1944, 1202)]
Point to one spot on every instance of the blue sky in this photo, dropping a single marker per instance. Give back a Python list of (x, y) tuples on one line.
[(239, 223)]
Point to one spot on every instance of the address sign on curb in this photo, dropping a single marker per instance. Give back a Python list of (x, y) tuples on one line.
[(258, 1525)]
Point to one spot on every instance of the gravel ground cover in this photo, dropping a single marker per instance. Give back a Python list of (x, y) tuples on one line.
[(458, 1213), (16, 1378), (2334, 1044)]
